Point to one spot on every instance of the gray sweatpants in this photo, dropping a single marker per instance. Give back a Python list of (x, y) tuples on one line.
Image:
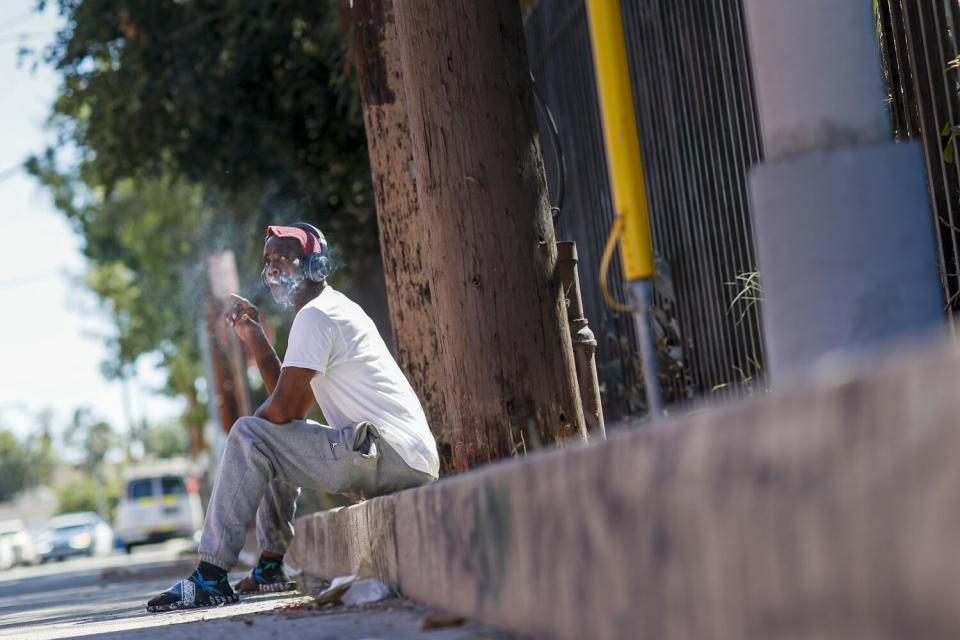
[(265, 464)]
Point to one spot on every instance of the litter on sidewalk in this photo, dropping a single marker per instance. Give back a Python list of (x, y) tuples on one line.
[(352, 591)]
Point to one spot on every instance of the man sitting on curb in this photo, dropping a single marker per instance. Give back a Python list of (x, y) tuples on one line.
[(377, 441)]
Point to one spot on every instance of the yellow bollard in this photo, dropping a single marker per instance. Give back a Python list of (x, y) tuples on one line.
[(627, 183), (622, 142)]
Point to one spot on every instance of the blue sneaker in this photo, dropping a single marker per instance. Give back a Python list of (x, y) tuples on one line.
[(267, 577), (196, 591)]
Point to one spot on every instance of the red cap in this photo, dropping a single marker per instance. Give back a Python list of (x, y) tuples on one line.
[(308, 242)]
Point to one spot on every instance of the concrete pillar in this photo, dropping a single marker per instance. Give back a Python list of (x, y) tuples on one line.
[(844, 231)]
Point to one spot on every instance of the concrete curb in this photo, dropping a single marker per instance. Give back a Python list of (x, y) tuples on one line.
[(827, 511)]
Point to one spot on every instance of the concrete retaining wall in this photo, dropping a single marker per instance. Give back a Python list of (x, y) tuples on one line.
[(828, 511)]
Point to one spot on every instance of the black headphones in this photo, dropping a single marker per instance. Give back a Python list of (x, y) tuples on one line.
[(316, 266)]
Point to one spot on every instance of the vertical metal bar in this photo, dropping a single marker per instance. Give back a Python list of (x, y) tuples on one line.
[(945, 113), (945, 12), (705, 331), (706, 362), (904, 60), (748, 145), (738, 162), (711, 252), (892, 69), (745, 82), (724, 172), (921, 32)]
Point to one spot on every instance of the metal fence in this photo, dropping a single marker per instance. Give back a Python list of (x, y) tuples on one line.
[(697, 119), (918, 40)]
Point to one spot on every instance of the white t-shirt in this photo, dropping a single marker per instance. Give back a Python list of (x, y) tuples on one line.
[(357, 378)]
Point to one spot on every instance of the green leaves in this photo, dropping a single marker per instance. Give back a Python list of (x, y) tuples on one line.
[(192, 125), (25, 464), (949, 133), (252, 100)]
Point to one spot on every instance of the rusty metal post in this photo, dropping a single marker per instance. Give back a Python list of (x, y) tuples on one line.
[(584, 342)]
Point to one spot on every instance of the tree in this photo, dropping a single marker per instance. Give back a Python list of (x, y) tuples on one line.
[(24, 464), (145, 242), (38, 448), (92, 438), (412, 316), (14, 464), (89, 494), (166, 440), (195, 125), (251, 99), (480, 182)]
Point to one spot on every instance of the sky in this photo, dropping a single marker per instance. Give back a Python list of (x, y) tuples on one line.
[(51, 330)]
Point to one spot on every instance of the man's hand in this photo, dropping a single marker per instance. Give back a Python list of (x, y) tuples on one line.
[(244, 317)]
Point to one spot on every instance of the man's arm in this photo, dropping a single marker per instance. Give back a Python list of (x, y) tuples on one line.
[(292, 398), (267, 361), (244, 317)]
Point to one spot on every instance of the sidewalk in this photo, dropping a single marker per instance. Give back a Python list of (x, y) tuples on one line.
[(104, 598)]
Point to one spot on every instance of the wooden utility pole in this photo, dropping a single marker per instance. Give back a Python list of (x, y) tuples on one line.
[(409, 292), (488, 236), (226, 396), (233, 387)]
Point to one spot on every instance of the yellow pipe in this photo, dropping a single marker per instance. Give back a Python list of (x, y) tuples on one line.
[(620, 134)]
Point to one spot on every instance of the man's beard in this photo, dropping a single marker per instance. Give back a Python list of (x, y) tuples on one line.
[(289, 286)]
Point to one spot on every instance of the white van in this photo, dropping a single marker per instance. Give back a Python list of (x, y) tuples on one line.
[(160, 502), (14, 536)]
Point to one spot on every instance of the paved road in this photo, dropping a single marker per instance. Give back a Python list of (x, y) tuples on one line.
[(104, 598)]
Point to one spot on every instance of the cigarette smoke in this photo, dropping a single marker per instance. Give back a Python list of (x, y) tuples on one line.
[(288, 286)]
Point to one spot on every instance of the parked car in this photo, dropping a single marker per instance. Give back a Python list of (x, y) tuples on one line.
[(6, 555), (161, 502), (75, 534), (14, 535)]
